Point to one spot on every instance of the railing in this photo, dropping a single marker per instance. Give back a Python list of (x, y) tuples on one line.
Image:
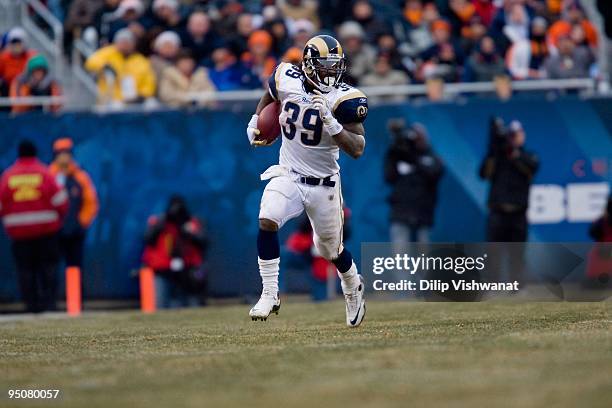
[(585, 85), (33, 101), (52, 45), (450, 89)]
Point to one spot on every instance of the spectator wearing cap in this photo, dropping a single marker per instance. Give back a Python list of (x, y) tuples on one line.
[(360, 55), (258, 59), (124, 75), (13, 58), (572, 15), (385, 75), (128, 14), (199, 38), (36, 80), (228, 73), (182, 79), (570, 61), (300, 9), (485, 64), (32, 209), (82, 197), (524, 59), (165, 49)]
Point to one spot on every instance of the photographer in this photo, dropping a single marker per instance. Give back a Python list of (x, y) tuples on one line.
[(510, 169), (413, 170), (175, 244)]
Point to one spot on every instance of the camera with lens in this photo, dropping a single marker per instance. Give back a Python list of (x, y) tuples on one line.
[(499, 135), (403, 136)]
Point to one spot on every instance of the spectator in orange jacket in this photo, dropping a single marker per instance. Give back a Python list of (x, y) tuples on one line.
[(32, 208), (573, 15), (36, 80), (13, 59), (83, 201)]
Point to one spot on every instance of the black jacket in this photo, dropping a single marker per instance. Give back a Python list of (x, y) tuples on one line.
[(510, 176), (414, 178)]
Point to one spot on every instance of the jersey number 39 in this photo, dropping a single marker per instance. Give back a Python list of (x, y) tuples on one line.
[(311, 123)]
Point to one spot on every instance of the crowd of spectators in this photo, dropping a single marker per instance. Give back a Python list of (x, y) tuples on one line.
[(167, 49), (24, 72)]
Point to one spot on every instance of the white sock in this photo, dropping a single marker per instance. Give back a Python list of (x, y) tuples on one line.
[(268, 270), (349, 280)]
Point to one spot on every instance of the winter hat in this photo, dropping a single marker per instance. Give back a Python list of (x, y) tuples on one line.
[(37, 61)]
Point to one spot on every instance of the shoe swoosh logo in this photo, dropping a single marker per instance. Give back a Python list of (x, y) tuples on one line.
[(356, 316)]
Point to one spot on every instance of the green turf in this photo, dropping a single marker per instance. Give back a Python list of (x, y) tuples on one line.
[(405, 354)]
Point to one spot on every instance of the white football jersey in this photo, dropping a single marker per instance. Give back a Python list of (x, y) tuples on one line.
[(306, 147)]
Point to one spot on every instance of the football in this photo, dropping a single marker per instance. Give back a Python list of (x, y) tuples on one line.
[(267, 123)]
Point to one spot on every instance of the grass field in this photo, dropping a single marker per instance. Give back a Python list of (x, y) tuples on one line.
[(405, 354)]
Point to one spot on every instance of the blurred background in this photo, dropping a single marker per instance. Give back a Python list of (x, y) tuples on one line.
[(151, 99)]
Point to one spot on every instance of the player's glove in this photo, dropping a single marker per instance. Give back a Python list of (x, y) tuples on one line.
[(252, 132), (320, 103)]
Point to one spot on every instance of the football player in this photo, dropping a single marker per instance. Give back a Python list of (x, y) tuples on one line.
[(320, 115)]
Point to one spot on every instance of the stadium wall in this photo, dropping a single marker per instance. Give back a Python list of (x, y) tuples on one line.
[(137, 160)]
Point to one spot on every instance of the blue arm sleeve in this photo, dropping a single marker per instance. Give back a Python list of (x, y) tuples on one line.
[(353, 110)]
